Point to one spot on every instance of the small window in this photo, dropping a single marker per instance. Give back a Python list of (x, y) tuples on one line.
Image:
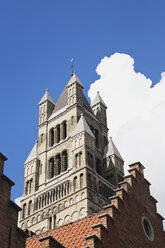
[(72, 120), (147, 227), (42, 138)]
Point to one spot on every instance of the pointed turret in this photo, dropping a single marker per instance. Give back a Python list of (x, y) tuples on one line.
[(46, 97), (111, 149), (81, 126), (98, 100), (46, 106), (75, 87), (33, 154), (31, 171), (99, 109), (82, 137), (74, 79), (114, 163)]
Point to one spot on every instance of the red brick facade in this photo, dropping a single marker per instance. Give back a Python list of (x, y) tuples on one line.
[(10, 235), (118, 225)]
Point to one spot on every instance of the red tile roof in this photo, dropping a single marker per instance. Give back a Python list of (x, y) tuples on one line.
[(71, 235)]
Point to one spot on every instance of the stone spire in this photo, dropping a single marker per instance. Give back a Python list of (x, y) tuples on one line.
[(33, 154), (74, 79), (99, 109), (81, 126), (46, 97), (46, 107), (111, 149), (97, 100)]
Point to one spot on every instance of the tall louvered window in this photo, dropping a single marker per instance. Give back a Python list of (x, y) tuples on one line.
[(58, 164), (51, 162), (65, 160)]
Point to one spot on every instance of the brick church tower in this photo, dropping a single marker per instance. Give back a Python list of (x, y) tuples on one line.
[(73, 168)]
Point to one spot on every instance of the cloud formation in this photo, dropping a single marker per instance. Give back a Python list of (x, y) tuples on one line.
[(135, 115)]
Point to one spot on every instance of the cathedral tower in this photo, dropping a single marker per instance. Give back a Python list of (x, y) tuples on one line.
[(68, 174)]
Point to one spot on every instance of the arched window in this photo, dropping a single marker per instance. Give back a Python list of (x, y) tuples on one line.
[(76, 160), (30, 185), (39, 202), (65, 160), (24, 210), (51, 166), (58, 164), (52, 137), (43, 201), (58, 133), (80, 158), (81, 180), (30, 208), (27, 188), (54, 221), (64, 130), (74, 184)]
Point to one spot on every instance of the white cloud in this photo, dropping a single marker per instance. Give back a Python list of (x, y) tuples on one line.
[(136, 117)]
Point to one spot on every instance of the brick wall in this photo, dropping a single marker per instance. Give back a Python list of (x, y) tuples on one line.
[(10, 235)]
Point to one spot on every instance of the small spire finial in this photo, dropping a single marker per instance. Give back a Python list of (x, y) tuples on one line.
[(47, 89), (72, 65)]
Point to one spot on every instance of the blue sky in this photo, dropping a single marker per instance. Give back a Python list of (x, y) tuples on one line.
[(37, 40)]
